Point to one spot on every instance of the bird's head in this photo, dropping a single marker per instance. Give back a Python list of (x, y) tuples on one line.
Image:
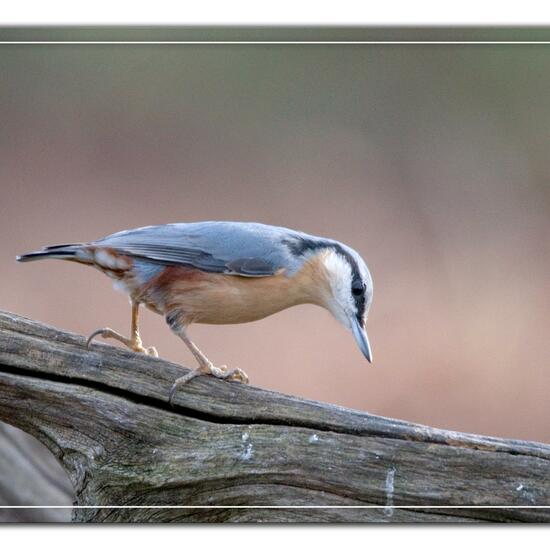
[(349, 293)]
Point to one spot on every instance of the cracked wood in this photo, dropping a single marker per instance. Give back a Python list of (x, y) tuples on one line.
[(104, 414)]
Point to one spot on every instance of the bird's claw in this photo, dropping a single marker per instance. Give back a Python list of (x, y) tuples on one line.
[(236, 375), (221, 372), (133, 344), (103, 332), (151, 351)]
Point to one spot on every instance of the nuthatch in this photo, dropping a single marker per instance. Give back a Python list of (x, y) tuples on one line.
[(224, 273)]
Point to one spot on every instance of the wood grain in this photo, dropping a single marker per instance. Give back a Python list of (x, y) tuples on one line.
[(105, 415)]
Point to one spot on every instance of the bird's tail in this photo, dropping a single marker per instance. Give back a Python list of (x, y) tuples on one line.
[(58, 251)]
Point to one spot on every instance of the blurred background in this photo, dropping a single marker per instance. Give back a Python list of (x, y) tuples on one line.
[(432, 162)]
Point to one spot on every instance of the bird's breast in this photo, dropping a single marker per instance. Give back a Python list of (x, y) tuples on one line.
[(214, 298)]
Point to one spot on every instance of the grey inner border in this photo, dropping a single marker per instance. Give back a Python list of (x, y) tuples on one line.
[(273, 33)]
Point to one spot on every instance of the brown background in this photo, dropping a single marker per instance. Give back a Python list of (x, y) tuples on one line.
[(431, 161)]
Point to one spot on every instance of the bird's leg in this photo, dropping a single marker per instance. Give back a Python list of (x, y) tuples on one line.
[(134, 342), (205, 367)]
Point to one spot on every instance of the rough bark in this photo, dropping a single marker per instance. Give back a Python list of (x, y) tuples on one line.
[(105, 415)]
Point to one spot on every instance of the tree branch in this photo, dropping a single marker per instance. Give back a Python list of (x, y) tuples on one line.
[(105, 415)]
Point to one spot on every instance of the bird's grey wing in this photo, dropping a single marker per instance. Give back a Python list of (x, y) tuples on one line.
[(249, 250)]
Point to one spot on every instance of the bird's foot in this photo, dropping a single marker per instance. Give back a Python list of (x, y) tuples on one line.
[(133, 343), (221, 372)]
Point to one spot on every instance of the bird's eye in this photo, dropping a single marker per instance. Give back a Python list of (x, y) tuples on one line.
[(357, 290)]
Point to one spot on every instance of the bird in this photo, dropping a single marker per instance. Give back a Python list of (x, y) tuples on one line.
[(223, 272)]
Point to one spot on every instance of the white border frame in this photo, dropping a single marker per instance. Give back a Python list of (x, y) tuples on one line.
[(387, 508)]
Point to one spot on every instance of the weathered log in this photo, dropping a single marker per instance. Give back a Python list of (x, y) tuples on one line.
[(230, 452)]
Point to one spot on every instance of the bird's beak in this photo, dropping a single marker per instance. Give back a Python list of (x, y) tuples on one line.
[(361, 338)]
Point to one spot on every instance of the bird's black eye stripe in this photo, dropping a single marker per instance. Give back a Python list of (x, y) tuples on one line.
[(358, 289)]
